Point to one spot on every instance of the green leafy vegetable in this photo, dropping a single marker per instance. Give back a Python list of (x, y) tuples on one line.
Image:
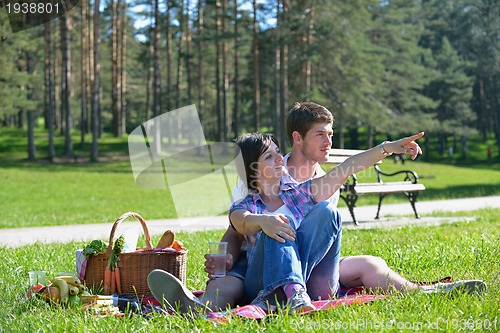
[(94, 248)]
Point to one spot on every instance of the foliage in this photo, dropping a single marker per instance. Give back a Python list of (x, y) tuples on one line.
[(380, 66)]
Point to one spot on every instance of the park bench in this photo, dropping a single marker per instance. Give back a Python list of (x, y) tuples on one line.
[(352, 188)]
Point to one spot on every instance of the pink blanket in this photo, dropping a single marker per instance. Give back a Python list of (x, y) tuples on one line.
[(347, 296)]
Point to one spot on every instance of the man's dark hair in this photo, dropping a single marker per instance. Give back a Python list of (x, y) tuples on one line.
[(303, 116)]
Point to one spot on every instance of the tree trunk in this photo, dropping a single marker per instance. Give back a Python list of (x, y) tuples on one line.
[(84, 74), (115, 81), (96, 84), (284, 72), (309, 39), (180, 55), (256, 79), (225, 78), (156, 62), (90, 66), (169, 68), (156, 76), (188, 52), (465, 146), (169, 57), (123, 69), (217, 70), (236, 72), (57, 85), (49, 88), (149, 76), (31, 111), (495, 103), (66, 84), (277, 80), (201, 76)]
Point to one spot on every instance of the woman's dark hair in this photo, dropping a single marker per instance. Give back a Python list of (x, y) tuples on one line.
[(252, 146)]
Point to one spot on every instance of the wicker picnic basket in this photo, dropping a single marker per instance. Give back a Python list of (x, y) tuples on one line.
[(135, 266)]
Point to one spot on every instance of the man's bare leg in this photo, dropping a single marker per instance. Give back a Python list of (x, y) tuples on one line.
[(223, 292), (372, 273)]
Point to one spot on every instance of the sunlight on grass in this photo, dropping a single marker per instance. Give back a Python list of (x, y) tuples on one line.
[(463, 250)]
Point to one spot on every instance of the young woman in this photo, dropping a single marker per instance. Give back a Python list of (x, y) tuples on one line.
[(294, 236)]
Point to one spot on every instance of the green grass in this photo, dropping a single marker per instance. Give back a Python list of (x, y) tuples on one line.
[(463, 250)]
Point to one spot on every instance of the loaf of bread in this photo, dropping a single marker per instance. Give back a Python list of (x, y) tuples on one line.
[(166, 240)]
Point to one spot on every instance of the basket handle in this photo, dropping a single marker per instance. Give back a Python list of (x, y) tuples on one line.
[(149, 246)]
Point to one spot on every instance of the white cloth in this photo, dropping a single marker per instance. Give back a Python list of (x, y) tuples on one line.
[(286, 211)]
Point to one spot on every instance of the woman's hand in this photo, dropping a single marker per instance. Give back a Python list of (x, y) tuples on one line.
[(210, 264), (405, 146), (277, 226)]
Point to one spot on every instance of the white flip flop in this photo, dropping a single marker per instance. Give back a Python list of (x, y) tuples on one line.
[(169, 290)]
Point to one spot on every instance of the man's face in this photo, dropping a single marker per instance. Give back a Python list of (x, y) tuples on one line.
[(317, 142)]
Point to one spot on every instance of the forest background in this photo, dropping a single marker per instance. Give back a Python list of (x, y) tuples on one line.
[(385, 68)]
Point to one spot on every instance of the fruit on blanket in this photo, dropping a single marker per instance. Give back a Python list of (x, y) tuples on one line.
[(74, 300), (63, 290), (73, 290), (51, 294), (73, 281)]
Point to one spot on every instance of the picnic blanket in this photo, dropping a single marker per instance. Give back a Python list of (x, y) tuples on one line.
[(346, 297)]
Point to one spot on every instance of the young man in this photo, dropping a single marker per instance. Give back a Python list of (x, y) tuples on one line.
[(309, 131)]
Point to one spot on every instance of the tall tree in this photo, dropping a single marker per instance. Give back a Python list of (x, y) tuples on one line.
[(188, 51), (31, 109), (180, 57), (115, 67), (96, 83), (168, 58), (49, 88), (84, 74), (284, 69), (218, 61), (66, 84), (308, 41), (256, 74), (123, 68), (236, 82), (201, 74), (225, 76)]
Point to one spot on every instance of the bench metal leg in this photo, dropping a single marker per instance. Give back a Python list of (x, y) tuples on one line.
[(350, 201), (412, 196), (380, 198)]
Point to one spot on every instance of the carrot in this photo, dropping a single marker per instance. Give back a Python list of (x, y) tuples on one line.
[(118, 281), (113, 282), (107, 281)]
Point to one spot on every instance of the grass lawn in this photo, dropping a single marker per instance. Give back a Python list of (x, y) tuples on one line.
[(463, 250)]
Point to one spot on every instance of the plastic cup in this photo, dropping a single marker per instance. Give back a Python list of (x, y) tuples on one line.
[(217, 251), (37, 277)]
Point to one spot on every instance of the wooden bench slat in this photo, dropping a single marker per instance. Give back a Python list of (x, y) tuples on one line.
[(387, 188)]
